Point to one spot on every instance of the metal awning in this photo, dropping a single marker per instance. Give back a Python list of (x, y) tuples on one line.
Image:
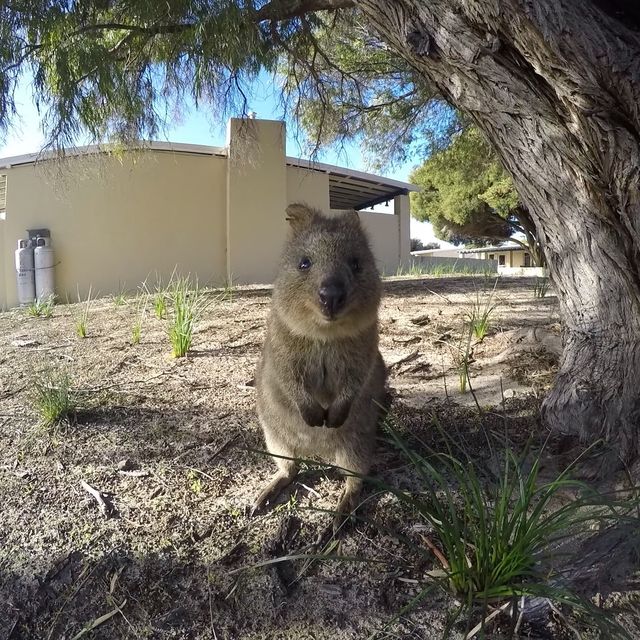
[(351, 189)]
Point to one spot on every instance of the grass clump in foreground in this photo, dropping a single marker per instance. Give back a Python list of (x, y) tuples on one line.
[(188, 302), (494, 537), (54, 398)]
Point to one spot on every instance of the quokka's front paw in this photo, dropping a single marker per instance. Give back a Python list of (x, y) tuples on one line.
[(337, 414), (313, 414)]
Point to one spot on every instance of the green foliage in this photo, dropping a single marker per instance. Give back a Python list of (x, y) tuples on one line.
[(345, 85), (482, 307), (463, 355), (41, 308), (188, 303), (465, 192), (120, 69), (54, 399), (141, 311), (494, 535), (160, 305), (81, 318)]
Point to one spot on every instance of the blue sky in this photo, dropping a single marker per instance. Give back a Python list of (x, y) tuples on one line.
[(198, 126)]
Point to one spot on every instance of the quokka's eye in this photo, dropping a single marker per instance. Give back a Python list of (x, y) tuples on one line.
[(304, 264), (355, 264)]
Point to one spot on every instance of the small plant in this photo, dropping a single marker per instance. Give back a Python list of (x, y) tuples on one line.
[(82, 318), (188, 302), (540, 287), (195, 482), (120, 298), (481, 310), (41, 308), (463, 356), (54, 399), (141, 309), (160, 305), (493, 536)]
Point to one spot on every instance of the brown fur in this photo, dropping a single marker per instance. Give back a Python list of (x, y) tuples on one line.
[(320, 381)]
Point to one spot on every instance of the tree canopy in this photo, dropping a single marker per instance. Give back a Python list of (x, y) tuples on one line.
[(468, 196), (121, 70)]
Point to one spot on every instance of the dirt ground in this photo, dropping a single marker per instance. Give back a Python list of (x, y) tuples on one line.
[(175, 447)]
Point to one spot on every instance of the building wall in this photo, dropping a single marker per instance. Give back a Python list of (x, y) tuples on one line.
[(383, 231), (511, 258), (115, 222), (256, 199), (309, 187), (439, 253)]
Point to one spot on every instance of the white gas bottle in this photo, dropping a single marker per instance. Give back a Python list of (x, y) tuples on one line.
[(43, 263), (25, 275)]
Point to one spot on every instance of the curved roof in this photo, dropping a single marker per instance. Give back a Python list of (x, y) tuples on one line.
[(348, 188)]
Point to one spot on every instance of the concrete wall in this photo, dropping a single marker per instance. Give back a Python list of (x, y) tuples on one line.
[(115, 222), (456, 265), (256, 199), (310, 187), (382, 230)]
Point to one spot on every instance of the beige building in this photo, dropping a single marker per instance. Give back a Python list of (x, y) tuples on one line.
[(117, 219), (512, 259)]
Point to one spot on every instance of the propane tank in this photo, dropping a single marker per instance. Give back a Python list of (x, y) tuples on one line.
[(25, 272), (43, 263)]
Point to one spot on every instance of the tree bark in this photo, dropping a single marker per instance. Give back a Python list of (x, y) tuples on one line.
[(555, 86)]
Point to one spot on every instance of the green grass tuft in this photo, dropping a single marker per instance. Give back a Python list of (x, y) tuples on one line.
[(81, 319), (482, 309), (494, 537), (160, 305), (187, 302), (41, 308), (54, 399)]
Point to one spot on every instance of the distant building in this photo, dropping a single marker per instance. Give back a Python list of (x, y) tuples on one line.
[(512, 259)]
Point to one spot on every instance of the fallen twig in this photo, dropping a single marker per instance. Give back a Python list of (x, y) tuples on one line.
[(98, 621), (483, 622), (104, 507), (412, 356), (134, 473), (436, 552), (440, 296)]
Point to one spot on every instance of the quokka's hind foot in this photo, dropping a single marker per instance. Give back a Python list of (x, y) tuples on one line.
[(283, 478), (348, 503)]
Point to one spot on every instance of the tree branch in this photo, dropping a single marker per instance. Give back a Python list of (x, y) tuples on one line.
[(288, 9)]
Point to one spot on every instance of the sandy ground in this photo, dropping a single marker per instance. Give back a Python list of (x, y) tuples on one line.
[(175, 446)]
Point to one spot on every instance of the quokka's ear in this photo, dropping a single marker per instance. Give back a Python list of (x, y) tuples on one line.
[(352, 217), (299, 216)]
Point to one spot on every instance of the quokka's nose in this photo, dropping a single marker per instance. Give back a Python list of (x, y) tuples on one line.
[(332, 295)]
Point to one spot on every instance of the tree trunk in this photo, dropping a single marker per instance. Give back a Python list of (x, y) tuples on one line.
[(529, 229), (555, 86)]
